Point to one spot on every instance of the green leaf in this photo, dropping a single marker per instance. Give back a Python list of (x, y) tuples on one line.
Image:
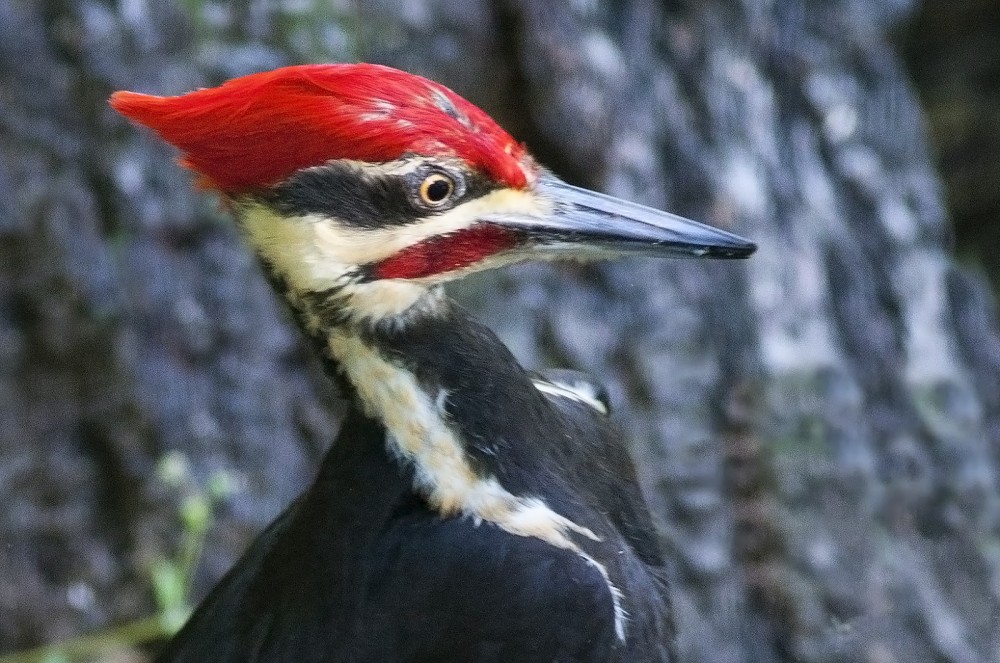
[(196, 513), (169, 586)]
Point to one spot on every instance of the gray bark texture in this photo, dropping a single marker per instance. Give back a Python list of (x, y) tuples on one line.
[(816, 429)]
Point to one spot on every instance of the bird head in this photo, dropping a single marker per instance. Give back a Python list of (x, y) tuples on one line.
[(376, 185)]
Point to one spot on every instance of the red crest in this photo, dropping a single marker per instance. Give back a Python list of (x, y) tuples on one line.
[(254, 131)]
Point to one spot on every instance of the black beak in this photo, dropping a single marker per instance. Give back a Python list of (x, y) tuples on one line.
[(582, 223)]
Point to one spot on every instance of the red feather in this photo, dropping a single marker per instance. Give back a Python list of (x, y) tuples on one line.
[(446, 253), (254, 131)]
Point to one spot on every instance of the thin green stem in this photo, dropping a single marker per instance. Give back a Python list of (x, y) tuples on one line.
[(193, 546)]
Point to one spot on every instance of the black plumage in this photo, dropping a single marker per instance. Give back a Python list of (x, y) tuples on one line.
[(371, 200), (361, 569)]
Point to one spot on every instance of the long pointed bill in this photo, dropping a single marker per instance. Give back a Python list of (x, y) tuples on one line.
[(584, 223)]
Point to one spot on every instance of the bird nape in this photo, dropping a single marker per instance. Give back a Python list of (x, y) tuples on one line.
[(469, 510)]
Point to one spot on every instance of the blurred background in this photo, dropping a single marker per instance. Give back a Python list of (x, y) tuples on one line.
[(816, 429)]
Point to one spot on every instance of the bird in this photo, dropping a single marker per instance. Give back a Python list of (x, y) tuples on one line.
[(469, 510)]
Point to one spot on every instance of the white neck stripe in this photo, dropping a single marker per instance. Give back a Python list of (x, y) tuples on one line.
[(419, 433)]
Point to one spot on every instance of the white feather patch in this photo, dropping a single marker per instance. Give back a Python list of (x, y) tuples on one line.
[(316, 253), (420, 434), (581, 392)]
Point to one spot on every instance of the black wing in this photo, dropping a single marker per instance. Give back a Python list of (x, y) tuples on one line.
[(358, 570), (594, 454)]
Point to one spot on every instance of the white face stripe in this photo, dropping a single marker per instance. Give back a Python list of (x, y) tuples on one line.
[(316, 248), (356, 246), (290, 247), (315, 253), (420, 434)]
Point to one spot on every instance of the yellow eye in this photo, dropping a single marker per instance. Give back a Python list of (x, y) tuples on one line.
[(436, 190)]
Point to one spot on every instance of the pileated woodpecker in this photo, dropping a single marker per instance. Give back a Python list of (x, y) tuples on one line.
[(469, 510)]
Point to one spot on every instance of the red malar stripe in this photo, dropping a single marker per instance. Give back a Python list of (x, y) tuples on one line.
[(446, 253)]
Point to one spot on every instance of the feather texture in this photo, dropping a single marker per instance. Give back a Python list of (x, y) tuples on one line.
[(254, 131)]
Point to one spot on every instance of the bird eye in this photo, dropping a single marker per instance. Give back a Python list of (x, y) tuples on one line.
[(436, 189)]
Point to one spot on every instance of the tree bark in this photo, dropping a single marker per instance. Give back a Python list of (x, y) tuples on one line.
[(816, 429)]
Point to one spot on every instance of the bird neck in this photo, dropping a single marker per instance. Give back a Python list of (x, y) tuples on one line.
[(459, 410), (456, 407)]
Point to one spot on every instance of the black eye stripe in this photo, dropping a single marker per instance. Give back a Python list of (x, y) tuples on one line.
[(345, 192), (366, 198)]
